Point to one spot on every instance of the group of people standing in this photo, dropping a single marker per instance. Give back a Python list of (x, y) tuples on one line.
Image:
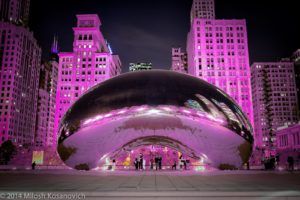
[(140, 162), (156, 163), (182, 163)]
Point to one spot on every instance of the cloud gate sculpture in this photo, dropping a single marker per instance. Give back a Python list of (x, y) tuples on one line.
[(155, 107)]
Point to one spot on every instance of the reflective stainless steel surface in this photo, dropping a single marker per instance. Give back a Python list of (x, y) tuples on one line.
[(194, 116)]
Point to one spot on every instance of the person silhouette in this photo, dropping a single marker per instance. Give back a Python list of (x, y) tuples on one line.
[(136, 164), (141, 161), (33, 165), (156, 162), (159, 162), (290, 161), (174, 165)]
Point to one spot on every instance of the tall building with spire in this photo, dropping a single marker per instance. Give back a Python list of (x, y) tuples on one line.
[(46, 104), (90, 63), (15, 11), (20, 58), (54, 50), (218, 53)]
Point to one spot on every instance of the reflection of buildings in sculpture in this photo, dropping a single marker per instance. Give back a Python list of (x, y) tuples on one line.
[(194, 105), (139, 66), (236, 117), (90, 63), (211, 107), (105, 128), (228, 112)]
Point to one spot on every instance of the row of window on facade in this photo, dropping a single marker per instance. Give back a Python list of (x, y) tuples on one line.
[(83, 66), (85, 37), (70, 59), (220, 28), (273, 66), (285, 141), (230, 37), (240, 49), (212, 73), (82, 79), (83, 72)]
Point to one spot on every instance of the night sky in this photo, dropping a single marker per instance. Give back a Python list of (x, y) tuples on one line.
[(145, 31)]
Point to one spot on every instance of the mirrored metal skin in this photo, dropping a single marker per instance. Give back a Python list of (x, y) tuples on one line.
[(195, 117)]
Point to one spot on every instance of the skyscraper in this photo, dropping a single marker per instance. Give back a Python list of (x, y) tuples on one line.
[(179, 60), (90, 63), (296, 59), (20, 58), (139, 66), (15, 11), (46, 104), (218, 53), (274, 101)]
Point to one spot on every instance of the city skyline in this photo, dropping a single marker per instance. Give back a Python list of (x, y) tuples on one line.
[(151, 36), (213, 91)]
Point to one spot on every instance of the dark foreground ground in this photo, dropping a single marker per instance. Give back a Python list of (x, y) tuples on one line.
[(68, 184)]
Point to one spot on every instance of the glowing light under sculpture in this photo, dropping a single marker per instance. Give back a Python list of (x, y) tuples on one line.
[(155, 107)]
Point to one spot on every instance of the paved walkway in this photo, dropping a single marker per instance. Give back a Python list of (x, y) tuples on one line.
[(158, 185)]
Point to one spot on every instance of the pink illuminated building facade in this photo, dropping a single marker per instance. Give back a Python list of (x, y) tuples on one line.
[(296, 59), (15, 11), (218, 53), (44, 135), (274, 101), (90, 63), (288, 143), (179, 60), (20, 58), (203, 9)]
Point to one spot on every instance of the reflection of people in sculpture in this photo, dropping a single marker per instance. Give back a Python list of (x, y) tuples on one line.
[(174, 165), (185, 164), (144, 164), (156, 161), (141, 161), (159, 161), (151, 163), (113, 164), (182, 162), (136, 164)]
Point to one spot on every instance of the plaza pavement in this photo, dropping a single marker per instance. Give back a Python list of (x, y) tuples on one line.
[(150, 184)]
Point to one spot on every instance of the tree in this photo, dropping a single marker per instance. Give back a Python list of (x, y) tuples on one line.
[(7, 149)]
